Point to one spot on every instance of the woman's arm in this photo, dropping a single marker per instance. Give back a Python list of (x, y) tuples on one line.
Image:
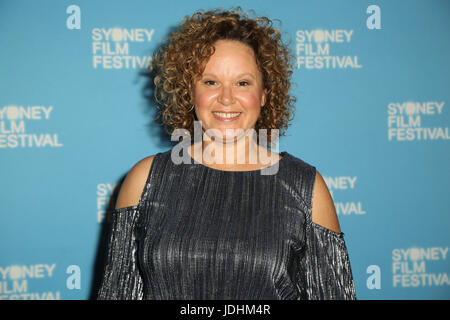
[(323, 210), (122, 278)]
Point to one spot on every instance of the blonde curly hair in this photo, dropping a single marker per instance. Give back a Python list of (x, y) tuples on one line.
[(179, 63)]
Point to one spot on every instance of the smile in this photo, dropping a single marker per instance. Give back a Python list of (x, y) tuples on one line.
[(226, 116)]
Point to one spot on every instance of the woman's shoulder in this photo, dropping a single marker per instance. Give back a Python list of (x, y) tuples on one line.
[(134, 183), (297, 160), (298, 166), (323, 210), (322, 205)]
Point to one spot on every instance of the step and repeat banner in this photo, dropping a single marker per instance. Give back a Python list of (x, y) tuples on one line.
[(372, 115)]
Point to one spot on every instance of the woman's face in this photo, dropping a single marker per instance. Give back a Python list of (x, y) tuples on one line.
[(229, 93)]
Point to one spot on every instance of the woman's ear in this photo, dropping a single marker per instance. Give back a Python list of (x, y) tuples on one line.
[(264, 98)]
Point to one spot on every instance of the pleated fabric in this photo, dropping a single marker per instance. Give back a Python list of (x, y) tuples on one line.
[(200, 233)]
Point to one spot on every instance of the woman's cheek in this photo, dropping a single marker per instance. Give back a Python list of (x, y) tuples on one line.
[(251, 101), (204, 98)]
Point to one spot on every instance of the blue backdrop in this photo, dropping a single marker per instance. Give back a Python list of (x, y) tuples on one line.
[(372, 85)]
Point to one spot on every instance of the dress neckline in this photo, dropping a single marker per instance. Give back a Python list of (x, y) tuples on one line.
[(283, 155)]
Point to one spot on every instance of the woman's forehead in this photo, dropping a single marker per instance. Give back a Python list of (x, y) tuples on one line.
[(233, 57), (228, 45)]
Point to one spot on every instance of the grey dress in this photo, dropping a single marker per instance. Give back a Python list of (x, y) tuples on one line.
[(202, 233)]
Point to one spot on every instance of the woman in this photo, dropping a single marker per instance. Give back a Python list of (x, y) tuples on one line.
[(215, 227)]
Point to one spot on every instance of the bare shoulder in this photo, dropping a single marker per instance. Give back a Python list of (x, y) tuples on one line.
[(133, 185), (323, 210)]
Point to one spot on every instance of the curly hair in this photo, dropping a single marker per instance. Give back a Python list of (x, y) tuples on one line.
[(181, 61)]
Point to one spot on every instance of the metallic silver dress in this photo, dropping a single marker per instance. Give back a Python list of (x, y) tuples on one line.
[(202, 233)]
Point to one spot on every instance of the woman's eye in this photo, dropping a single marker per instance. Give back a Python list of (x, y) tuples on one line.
[(210, 82), (243, 83)]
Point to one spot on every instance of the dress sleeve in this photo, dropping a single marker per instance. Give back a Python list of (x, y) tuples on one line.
[(122, 278), (327, 266)]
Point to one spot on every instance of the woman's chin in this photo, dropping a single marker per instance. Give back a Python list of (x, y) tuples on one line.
[(229, 135)]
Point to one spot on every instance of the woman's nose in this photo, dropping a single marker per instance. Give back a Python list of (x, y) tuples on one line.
[(226, 95)]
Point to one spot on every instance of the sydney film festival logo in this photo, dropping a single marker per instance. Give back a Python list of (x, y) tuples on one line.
[(314, 49), (16, 282), (112, 48), (419, 267), (104, 193), (346, 184), (416, 121), (22, 127)]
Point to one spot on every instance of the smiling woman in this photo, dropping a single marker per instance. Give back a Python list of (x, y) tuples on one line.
[(229, 94), (225, 231), (181, 62)]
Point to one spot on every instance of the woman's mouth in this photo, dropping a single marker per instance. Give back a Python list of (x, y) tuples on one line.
[(226, 116)]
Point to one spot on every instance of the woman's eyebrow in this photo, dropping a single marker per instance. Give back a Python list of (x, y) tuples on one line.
[(238, 76)]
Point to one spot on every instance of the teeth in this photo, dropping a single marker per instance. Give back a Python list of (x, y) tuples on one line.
[(227, 115)]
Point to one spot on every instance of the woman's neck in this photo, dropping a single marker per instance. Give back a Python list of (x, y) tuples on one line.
[(238, 154)]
